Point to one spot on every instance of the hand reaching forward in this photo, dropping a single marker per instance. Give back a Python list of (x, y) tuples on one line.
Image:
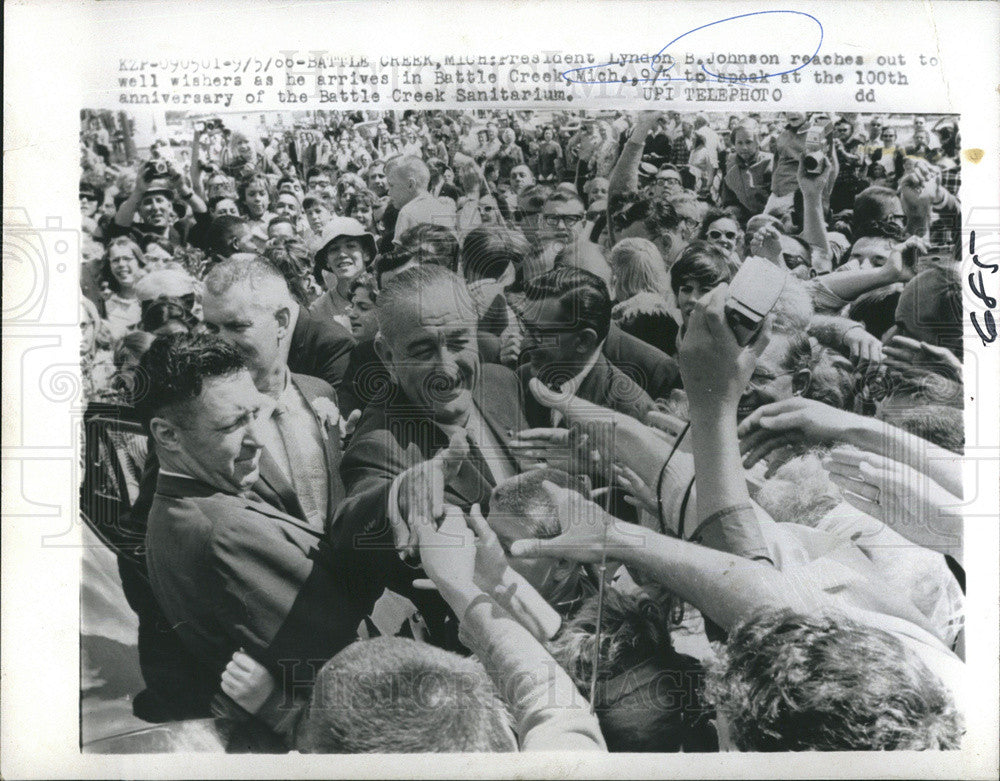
[(421, 490)]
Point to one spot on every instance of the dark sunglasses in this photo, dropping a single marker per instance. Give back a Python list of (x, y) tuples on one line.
[(717, 234)]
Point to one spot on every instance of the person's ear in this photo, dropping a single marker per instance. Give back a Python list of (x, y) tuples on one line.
[(586, 341), (384, 351), (801, 381), (284, 318), (165, 434)]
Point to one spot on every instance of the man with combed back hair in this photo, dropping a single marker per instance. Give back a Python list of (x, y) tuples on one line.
[(446, 422)]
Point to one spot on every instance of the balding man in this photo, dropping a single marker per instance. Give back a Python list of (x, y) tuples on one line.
[(248, 304), (408, 179), (448, 417)]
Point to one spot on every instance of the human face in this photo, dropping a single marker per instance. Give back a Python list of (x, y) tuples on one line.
[(363, 213), (488, 210), (227, 206), (156, 257), (216, 186), (746, 146), (317, 215), (221, 445), (346, 258), (598, 191), (287, 206), (870, 252), (562, 221), (280, 230), (770, 381), (401, 190), (157, 210), (724, 233), (843, 131), (322, 184), (888, 136), (520, 178), (256, 199), (123, 265), (88, 206), (433, 353), (364, 320), (240, 318), (244, 149), (377, 182), (688, 293), (669, 181), (556, 352)]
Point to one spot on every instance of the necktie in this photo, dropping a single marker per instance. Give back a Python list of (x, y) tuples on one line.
[(307, 467), (477, 457)]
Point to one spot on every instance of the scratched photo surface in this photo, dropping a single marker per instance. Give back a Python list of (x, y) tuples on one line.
[(393, 421)]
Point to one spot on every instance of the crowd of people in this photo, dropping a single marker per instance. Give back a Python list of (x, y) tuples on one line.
[(447, 441)]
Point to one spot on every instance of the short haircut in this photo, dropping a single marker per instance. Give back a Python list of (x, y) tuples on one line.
[(214, 202), (252, 270), (281, 219), (583, 297), (832, 375), (872, 207), (639, 268), (713, 215), (561, 196), (429, 243), (175, 368), (488, 250), (365, 281), (396, 695), (390, 261), (700, 262), (648, 696), (221, 231), (792, 682), (532, 199), (747, 126), (412, 168), (940, 424), (521, 508), (419, 281)]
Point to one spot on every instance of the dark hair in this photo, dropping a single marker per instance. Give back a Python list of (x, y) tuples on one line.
[(793, 682), (396, 695), (648, 696), (176, 366), (213, 202), (244, 185), (872, 208), (291, 257), (166, 309), (832, 378), (713, 215), (701, 262), (429, 243), (561, 196), (221, 231), (489, 249), (390, 261), (583, 297)]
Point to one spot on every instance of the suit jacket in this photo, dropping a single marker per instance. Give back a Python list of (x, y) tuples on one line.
[(750, 187), (605, 385), (319, 348), (391, 437), (232, 571), (652, 370)]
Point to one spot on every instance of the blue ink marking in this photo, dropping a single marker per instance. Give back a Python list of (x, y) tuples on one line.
[(662, 69)]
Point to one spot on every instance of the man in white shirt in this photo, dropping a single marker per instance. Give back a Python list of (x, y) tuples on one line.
[(408, 179)]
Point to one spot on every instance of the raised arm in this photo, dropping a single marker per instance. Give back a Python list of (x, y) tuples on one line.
[(624, 176)]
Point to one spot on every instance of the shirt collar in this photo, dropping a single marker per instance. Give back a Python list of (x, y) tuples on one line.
[(572, 385)]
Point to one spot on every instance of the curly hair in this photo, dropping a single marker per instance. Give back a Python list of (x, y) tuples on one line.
[(792, 682)]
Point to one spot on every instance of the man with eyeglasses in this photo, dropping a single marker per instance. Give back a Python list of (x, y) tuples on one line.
[(668, 180), (562, 219)]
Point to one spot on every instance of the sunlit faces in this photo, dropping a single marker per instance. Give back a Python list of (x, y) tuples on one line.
[(402, 189), (770, 381), (156, 257), (317, 215), (156, 209), (362, 314), (724, 233), (377, 181), (688, 293), (562, 220), (745, 144), (281, 230), (88, 205), (870, 252), (227, 207), (432, 351), (247, 318), (217, 442), (287, 205), (256, 199), (345, 257), (243, 149), (521, 177), (123, 265), (217, 185)]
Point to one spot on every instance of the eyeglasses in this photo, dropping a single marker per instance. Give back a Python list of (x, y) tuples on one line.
[(555, 220), (717, 234), (668, 180), (793, 261)]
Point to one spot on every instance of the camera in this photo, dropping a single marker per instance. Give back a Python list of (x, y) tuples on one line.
[(813, 163), (754, 291), (155, 168)]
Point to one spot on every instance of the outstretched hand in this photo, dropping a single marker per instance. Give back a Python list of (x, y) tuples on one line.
[(421, 490)]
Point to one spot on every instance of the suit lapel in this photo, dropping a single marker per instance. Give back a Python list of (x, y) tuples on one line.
[(272, 476), (331, 447)]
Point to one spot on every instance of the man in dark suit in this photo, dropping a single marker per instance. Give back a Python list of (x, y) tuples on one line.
[(441, 435), (319, 348), (651, 369), (567, 316), (229, 570)]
